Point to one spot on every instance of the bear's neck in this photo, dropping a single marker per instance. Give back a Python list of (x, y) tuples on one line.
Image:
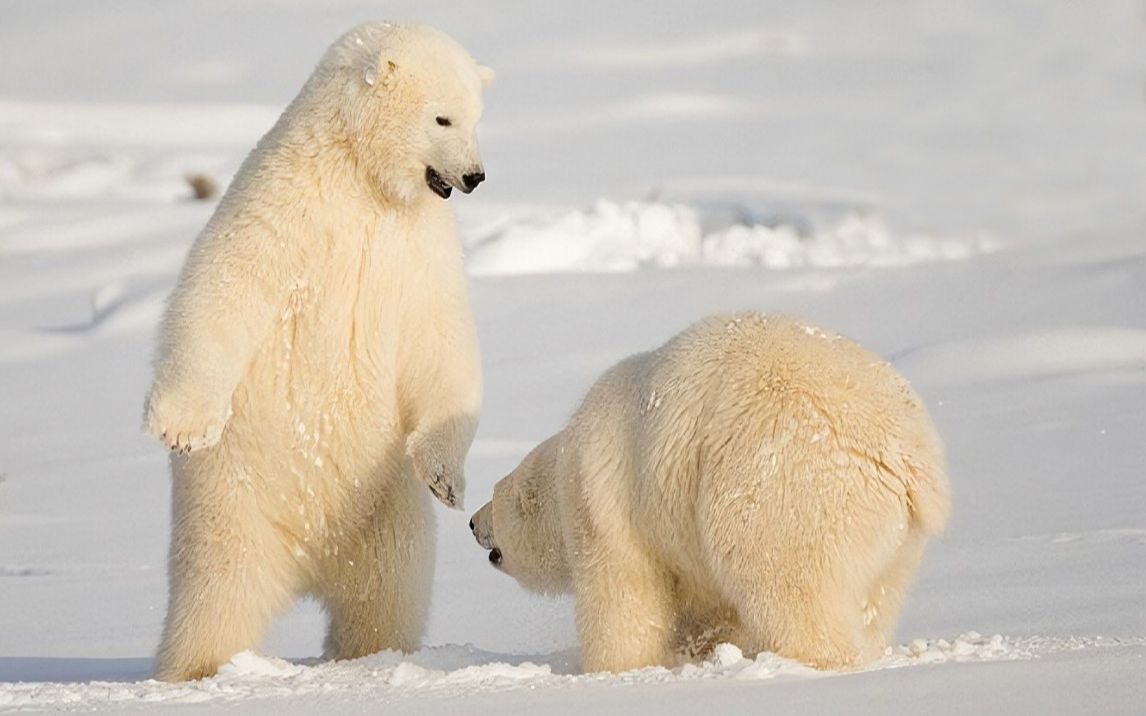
[(309, 149)]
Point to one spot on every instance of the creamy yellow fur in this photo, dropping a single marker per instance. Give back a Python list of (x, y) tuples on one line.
[(755, 480), (318, 364)]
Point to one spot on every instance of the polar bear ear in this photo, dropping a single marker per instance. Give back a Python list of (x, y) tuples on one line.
[(486, 74)]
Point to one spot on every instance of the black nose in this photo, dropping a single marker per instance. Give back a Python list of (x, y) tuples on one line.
[(471, 525), (472, 180), (495, 556)]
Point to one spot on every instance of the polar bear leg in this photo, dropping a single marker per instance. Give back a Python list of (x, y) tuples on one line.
[(885, 596), (376, 590), (798, 615), (230, 575), (624, 606), (794, 593)]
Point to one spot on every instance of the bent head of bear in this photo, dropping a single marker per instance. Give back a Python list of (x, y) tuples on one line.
[(412, 99), (521, 528)]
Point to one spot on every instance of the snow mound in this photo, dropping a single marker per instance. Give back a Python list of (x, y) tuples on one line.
[(618, 237), (247, 663), (454, 670)]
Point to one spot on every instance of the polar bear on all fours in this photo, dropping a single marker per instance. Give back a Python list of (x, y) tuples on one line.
[(755, 480), (318, 365)]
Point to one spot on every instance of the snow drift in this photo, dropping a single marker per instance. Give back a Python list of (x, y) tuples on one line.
[(616, 237)]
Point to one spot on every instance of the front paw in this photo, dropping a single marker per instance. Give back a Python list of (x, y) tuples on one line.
[(445, 483), (186, 421)]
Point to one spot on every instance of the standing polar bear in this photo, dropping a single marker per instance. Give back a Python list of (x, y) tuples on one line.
[(754, 480), (318, 364)]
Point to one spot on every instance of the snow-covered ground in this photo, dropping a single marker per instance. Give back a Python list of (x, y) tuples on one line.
[(960, 186)]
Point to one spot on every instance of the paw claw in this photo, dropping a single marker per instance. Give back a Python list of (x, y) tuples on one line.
[(445, 493), (206, 422)]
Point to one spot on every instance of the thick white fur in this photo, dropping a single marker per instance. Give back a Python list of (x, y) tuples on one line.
[(756, 480), (318, 365)]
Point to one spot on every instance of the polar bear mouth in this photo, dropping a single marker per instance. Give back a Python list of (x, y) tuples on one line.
[(437, 184), (495, 557)]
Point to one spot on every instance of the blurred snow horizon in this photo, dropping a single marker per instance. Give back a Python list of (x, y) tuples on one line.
[(1020, 118)]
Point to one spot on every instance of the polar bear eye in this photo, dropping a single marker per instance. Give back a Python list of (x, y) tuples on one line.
[(443, 121)]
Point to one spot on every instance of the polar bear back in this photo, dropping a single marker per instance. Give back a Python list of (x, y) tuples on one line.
[(757, 417)]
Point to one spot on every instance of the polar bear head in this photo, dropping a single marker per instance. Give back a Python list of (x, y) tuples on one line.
[(408, 100), (520, 526)]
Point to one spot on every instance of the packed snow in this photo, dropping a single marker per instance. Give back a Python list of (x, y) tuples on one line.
[(957, 185), (459, 671)]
